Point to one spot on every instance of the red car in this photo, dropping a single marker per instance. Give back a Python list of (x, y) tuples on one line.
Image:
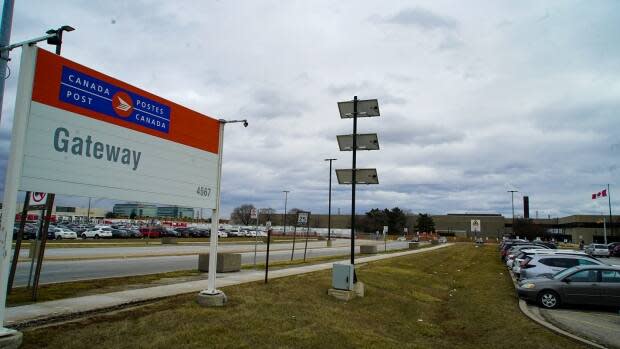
[(151, 232)]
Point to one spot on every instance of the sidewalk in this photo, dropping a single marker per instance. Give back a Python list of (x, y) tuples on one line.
[(74, 306)]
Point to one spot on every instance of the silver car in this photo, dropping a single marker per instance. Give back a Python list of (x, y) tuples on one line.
[(597, 250), (551, 264), (592, 284)]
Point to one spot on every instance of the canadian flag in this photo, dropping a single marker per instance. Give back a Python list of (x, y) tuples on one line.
[(600, 194)]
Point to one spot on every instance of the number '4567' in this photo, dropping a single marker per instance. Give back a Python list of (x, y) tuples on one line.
[(203, 191)]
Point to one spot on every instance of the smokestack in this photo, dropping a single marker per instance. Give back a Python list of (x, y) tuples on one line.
[(526, 207)]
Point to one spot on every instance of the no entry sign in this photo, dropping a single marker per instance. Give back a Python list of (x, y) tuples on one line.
[(37, 198)]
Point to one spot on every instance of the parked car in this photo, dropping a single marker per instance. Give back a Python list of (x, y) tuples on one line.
[(222, 234), (118, 233), (516, 265), (151, 232), (61, 233), (442, 240), (536, 265), (591, 284), (597, 250), (616, 251), (98, 233)]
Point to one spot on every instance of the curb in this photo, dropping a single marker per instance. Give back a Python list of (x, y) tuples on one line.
[(541, 321)]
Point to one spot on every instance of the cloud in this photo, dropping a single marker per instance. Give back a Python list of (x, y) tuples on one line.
[(421, 18)]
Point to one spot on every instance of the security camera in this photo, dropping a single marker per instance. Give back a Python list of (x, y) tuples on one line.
[(245, 123)]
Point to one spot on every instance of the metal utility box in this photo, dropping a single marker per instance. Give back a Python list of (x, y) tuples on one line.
[(343, 276)]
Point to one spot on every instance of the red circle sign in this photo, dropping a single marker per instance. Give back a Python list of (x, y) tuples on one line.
[(38, 197)]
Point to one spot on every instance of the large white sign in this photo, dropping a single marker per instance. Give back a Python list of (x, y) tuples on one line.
[(475, 225), (91, 135)]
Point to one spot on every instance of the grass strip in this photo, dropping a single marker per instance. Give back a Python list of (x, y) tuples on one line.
[(455, 297)]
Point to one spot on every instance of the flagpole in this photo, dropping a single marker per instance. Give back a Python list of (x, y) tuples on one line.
[(611, 223)]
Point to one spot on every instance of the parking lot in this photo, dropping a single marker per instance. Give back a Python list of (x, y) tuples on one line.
[(586, 308)]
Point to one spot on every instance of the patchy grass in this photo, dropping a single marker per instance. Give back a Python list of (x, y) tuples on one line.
[(50, 292), (455, 297)]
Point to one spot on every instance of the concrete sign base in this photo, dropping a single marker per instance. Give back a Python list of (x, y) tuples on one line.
[(13, 340), (217, 299)]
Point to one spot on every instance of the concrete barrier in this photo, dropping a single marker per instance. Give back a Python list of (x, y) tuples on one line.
[(226, 262), (414, 245), (368, 249)]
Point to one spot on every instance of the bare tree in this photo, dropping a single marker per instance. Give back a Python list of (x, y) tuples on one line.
[(242, 214)]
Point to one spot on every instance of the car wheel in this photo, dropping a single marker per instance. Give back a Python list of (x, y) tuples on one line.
[(548, 299), (84, 236), (96, 236), (58, 237)]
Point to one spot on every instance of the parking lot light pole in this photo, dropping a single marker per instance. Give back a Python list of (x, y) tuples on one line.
[(329, 214), (512, 200), (284, 215), (215, 217)]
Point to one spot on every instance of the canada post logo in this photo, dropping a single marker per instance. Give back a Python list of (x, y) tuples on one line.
[(91, 93)]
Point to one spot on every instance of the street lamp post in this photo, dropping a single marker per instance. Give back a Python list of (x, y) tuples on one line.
[(284, 215), (512, 199), (329, 214)]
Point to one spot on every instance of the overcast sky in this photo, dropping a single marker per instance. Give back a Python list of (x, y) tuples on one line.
[(476, 97)]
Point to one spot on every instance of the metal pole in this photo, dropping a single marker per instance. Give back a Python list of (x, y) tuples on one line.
[(285, 202), (307, 231), (611, 222), (512, 200), (88, 213), (353, 173), (267, 256), (215, 218), (329, 214), (294, 236), (37, 245), (255, 238), (604, 231), (18, 243), (46, 226), (5, 37)]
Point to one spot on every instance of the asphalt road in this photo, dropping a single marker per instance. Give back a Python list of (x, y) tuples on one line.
[(63, 271), (600, 326)]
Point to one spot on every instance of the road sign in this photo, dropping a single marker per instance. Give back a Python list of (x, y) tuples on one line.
[(88, 134), (385, 229), (253, 214), (405, 230), (37, 198), (302, 218), (475, 225)]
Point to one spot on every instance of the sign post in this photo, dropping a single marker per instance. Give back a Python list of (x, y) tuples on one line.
[(268, 227), (254, 215), (307, 214), (385, 230)]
